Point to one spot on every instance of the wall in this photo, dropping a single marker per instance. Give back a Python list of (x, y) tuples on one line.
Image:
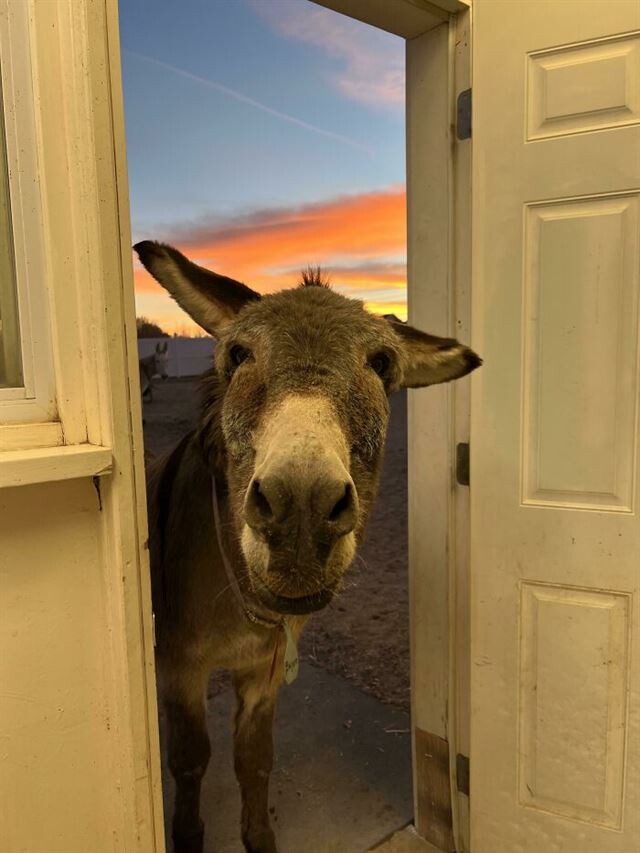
[(79, 751), (58, 732)]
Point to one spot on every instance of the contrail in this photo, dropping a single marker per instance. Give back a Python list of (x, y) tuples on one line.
[(245, 99)]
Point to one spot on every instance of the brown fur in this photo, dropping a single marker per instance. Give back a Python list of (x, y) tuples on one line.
[(306, 344)]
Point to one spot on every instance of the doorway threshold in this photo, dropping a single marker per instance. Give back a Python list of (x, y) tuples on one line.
[(405, 840)]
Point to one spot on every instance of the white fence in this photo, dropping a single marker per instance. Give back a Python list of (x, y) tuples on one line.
[(187, 356)]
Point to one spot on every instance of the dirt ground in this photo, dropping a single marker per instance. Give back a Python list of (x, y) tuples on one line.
[(363, 635)]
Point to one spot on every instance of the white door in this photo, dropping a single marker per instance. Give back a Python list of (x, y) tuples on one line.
[(555, 544)]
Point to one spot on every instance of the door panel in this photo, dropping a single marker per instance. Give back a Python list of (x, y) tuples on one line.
[(579, 88), (580, 289), (555, 534), (567, 770)]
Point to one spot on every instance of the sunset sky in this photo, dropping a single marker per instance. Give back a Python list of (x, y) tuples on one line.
[(264, 136)]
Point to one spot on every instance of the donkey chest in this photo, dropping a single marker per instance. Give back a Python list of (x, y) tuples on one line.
[(239, 644), (240, 647)]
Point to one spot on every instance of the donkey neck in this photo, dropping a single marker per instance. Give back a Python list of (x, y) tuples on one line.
[(211, 445)]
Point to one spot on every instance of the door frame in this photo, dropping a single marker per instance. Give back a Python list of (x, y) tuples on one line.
[(438, 68), (66, 60), (438, 208)]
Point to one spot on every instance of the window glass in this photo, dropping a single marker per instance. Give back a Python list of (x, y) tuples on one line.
[(10, 351)]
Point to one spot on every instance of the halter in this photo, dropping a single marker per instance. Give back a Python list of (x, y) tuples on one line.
[(291, 651)]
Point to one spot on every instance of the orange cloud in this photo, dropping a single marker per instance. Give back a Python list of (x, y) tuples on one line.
[(362, 281), (356, 239)]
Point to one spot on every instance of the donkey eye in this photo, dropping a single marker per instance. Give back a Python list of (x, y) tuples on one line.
[(238, 354), (380, 363)]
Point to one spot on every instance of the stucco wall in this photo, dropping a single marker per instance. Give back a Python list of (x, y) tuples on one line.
[(58, 737)]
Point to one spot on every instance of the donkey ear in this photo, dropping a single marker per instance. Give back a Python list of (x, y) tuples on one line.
[(209, 299), (430, 360)]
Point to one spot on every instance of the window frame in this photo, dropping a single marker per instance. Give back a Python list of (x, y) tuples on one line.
[(32, 402), (61, 246)]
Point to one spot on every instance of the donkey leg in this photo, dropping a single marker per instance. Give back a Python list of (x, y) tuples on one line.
[(253, 754), (188, 751)]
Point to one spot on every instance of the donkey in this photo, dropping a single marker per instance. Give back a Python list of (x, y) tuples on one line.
[(256, 515), (153, 365)]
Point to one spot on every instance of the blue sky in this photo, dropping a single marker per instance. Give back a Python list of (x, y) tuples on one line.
[(240, 111)]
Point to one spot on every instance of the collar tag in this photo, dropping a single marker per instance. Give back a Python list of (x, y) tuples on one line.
[(290, 655)]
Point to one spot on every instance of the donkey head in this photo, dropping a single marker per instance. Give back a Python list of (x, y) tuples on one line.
[(162, 359), (303, 378)]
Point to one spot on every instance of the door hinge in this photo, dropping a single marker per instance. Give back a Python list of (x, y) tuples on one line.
[(462, 463), (463, 115), (462, 774)]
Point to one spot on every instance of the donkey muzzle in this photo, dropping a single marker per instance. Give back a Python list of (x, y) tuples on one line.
[(296, 605), (301, 505), (324, 510), (301, 531)]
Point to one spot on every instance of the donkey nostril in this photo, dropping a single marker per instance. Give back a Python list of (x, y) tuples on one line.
[(343, 504), (260, 501)]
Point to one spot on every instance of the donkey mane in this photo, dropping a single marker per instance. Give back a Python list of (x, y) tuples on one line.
[(314, 277), (208, 431)]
